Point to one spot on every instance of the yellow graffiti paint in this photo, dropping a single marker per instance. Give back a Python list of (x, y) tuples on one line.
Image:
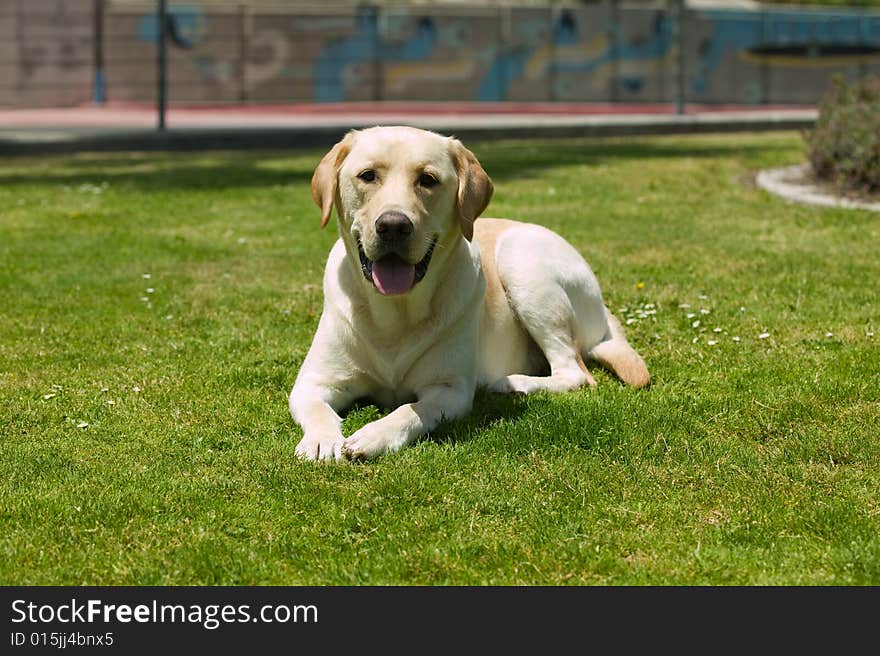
[(399, 75), (796, 61), (633, 67), (575, 54)]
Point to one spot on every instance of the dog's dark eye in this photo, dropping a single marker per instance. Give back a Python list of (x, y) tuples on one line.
[(367, 176), (427, 181)]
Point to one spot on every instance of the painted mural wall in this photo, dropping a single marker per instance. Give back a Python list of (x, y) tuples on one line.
[(46, 52), (597, 52)]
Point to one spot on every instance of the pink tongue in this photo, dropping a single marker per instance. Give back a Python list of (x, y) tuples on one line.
[(391, 275)]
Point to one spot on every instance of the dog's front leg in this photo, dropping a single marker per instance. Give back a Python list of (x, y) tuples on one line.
[(403, 425), (314, 407)]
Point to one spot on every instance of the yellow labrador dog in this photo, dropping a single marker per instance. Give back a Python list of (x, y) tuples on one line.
[(423, 303)]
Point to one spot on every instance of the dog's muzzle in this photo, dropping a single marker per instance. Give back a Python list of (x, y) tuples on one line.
[(391, 274)]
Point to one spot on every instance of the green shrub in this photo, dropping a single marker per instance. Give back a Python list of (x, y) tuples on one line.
[(844, 145)]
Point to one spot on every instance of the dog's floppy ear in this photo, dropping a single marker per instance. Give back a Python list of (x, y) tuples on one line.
[(474, 187), (326, 177)]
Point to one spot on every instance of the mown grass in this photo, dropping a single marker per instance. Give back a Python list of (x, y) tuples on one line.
[(754, 461)]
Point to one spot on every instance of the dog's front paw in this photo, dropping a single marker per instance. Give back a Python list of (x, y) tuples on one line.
[(371, 441), (508, 385), (325, 448)]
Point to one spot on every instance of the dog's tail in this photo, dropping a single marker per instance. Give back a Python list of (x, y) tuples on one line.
[(616, 354)]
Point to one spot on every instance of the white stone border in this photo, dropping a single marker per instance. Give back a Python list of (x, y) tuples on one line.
[(777, 181)]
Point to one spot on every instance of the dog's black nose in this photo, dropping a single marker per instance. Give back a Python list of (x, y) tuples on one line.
[(393, 226)]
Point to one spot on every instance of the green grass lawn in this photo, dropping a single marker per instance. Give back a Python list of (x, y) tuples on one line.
[(156, 308)]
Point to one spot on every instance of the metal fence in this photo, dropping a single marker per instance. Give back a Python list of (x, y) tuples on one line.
[(65, 52)]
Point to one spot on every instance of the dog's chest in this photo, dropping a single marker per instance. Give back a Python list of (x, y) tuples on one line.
[(391, 364)]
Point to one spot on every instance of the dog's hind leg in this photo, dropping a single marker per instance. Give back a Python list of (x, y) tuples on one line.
[(552, 332), (616, 354), (556, 299)]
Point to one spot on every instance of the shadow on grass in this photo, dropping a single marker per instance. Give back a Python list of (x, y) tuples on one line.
[(488, 409), (618, 423), (513, 160), (185, 171), (503, 161)]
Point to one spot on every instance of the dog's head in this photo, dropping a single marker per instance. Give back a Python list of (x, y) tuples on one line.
[(400, 192)]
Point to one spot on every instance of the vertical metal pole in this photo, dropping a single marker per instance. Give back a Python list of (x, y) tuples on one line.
[(863, 38), (161, 64), (551, 73), (499, 56), (381, 91), (614, 38), (244, 25), (678, 38), (506, 39), (764, 69), (372, 12), (98, 88)]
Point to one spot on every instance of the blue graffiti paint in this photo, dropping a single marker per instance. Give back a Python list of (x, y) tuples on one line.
[(736, 31), (99, 93), (186, 25), (656, 47), (632, 83), (504, 70), (509, 66), (366, 45)]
